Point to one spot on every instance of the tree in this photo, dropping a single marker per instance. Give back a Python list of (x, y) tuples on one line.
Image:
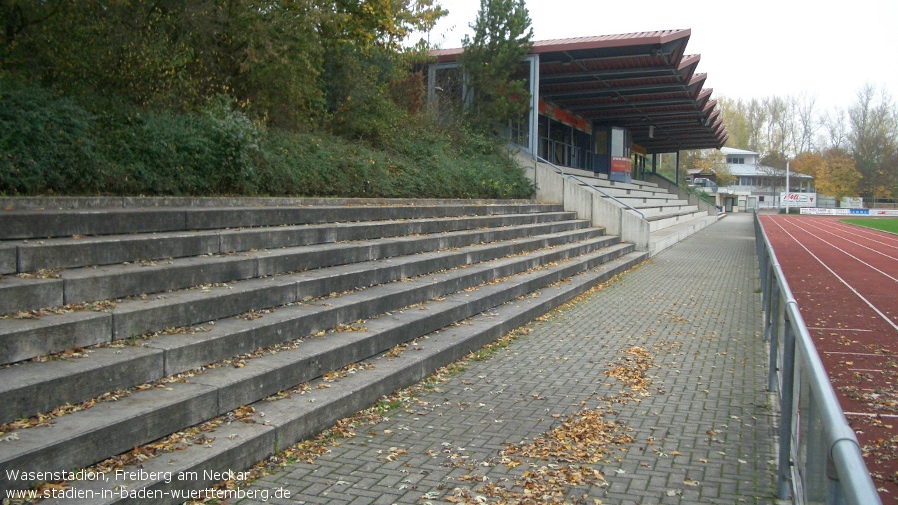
[(873, 140), (833, 172), (492, 58), (270, 56), (841, 178), (835, 128), (807, 122), (709, 161)]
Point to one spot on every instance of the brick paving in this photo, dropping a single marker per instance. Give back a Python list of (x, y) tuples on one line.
[(703, 426)]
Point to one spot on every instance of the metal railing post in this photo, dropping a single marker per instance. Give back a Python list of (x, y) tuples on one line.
[(775, 311), (784, 468), (835, 493)]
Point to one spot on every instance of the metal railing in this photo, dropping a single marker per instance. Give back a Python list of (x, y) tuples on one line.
[(819, 460), (589, 184)]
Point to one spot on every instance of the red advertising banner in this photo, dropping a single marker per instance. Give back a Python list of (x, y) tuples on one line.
[(620, 164)]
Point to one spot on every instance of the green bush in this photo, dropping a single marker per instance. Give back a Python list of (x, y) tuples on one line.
[(205, 153), (46, 143), (54, 145)]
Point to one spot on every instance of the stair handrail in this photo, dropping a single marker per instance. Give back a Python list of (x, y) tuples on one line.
[(587, 183)]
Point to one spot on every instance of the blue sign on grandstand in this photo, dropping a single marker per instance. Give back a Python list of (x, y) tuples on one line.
[(863, 212)]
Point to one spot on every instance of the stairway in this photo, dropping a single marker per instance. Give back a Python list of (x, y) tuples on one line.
[(122, 325), (652, 215), (671, 214)]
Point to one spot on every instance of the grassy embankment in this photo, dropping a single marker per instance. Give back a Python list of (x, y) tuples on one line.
[(55, 145)]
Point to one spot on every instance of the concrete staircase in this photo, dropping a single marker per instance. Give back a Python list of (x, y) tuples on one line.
[(652, 215), (659, 207), (120, 326)]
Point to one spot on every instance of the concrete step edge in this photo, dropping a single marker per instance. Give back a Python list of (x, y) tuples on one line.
[(125, 280), (39, 387), (41, 224), (193, 398), (68, 252), (238, 447)]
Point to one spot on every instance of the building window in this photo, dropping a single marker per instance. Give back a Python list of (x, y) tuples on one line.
[(735, 161)]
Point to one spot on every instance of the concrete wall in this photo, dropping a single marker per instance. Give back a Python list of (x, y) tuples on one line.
[(551, 187)]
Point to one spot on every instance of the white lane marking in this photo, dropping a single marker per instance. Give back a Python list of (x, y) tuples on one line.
[(836, 329), (824, 230), (866, 414), (843, 251), (857, 354), (849, 286)]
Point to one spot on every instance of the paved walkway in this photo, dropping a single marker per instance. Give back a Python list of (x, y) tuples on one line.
[(657, 381)]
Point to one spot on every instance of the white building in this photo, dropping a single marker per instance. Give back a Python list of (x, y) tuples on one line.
[(760, 186)]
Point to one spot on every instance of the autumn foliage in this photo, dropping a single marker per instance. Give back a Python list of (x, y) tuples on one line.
[(204, 97)]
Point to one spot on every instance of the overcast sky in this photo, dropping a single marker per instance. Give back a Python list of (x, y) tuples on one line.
[(826, 49)]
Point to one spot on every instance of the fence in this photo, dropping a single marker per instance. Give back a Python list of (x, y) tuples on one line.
[(819, 460)]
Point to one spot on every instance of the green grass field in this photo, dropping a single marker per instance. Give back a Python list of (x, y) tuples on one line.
[(889, 224)]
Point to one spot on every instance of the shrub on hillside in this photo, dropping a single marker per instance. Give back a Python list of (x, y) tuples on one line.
[(162, 153), (46, 143), (53, 145)]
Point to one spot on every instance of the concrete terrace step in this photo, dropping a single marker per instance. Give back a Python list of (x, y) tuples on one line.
[(662, 221), (154, 306), (118, 281), (666, 210), (659, 201), (79, 439), (289, 420), (603, 178), (41, 224), (620, 189), (352, 266), (666, 237), (34, 255), (32, 388)]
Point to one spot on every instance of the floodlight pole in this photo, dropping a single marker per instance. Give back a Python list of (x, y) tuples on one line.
[(787, 188)]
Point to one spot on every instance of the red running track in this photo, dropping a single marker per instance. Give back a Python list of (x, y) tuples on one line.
[(845, 280)]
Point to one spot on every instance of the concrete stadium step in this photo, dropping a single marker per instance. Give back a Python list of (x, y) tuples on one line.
[(622, 190), (42, 224), (238, 446), (666, 210), (22, 339), (109, 428), (666, 237), (656, 201), (33, 388), (603, 178), (662, 221), (32, 256), (147, 277)]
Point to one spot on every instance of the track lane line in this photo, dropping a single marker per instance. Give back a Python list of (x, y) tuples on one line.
[(837, 276), (884, 238), (846, 253), (895, 258)]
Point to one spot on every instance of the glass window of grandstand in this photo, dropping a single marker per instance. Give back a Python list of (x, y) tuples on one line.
[(448, 92), (639, 162), (564, 145)]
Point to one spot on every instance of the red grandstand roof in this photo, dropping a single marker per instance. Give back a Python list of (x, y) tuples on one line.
[(633, 80)]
